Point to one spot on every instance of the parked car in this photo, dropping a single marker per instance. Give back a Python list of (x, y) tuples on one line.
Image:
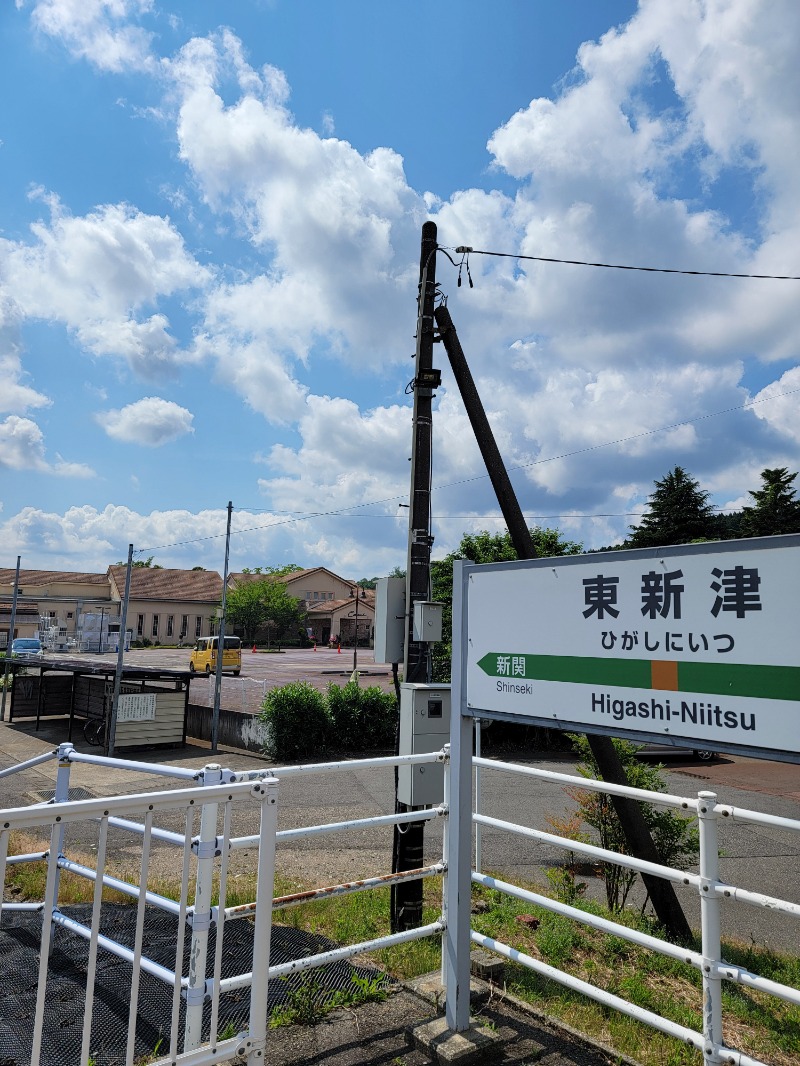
[(703, 754), (26, 646), (204, 656)]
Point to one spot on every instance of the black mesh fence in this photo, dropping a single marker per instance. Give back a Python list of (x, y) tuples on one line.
[(66, 984)]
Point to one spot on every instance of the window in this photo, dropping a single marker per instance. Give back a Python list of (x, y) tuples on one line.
[(198, 625), (140, 625), (184, 625), (170, 625), (155, 625)]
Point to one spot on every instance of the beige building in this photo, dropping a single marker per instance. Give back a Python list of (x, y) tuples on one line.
[(329, 601), (168, 606), (53, 603), (83, 610)]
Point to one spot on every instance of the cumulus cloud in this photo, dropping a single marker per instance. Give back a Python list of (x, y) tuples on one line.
[(100, 31), (781, 412), (21, 444), (596, 381), (22, 447), (151, 421), (98, 274)]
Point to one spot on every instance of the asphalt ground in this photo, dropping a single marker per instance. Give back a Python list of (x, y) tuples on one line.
[(376, 1034), (263, 671)]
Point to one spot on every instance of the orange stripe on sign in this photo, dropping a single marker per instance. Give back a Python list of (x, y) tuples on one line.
[(664, 675)]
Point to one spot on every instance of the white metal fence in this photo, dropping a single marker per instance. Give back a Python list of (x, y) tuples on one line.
[(205, 847), (712, 892), (208, 800)]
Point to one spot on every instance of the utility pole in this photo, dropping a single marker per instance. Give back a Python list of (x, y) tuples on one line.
[(221, 636), (406, 904), (13, 622), (637, 834), (111, 731)]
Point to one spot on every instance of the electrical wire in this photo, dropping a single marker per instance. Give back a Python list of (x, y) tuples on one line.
[(467, 251), (341, 511)]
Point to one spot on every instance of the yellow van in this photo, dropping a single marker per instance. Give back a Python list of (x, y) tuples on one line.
[(204, 656)]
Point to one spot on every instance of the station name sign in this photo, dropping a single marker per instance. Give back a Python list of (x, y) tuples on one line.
[(695, 645)]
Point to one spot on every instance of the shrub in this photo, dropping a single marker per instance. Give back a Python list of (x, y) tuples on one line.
[(303, 722), (363, 718), (299, 722), (675, 836)]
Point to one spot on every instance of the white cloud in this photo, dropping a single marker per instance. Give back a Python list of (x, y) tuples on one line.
[(21, 444), (97, 274), (151, 421), (22, 447), (782, 412), (101, 31), (16, 396)]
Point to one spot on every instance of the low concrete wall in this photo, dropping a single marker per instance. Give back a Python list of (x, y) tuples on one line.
[(236, 730)]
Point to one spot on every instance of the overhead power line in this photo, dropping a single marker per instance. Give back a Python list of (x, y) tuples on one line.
[(299, 516), (467, 251)]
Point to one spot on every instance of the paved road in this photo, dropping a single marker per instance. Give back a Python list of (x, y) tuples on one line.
[(756, 858), (263, 671)]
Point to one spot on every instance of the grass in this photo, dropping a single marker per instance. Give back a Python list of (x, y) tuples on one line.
[(759, 1025)]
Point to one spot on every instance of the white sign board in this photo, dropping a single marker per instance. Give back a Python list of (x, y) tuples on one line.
[(696, 644), (138, 708)]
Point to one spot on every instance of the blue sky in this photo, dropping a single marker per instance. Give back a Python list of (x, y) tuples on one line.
[(209, 239)]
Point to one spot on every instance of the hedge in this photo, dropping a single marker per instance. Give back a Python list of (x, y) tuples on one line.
[(304, 722)]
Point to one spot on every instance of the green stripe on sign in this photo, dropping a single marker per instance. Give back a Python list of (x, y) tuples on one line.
[(722, 679), (736, 679), (579, 670)]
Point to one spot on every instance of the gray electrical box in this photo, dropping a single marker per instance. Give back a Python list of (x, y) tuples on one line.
[(424, 726), (427, 621), (390, 619)]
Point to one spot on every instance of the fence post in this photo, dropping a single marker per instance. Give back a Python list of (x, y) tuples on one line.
[(710, 926), (477, 795), (445, 852), (262, 933), (459, 870), (205, 848), (61, 796)]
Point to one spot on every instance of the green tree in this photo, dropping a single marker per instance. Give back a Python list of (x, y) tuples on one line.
[(483, 547), (775, 510), (245, 607), (273, 571), (140, 564), (283, 611), (679, 512)]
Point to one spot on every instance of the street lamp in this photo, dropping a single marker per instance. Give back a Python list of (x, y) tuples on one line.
[(355, 637)]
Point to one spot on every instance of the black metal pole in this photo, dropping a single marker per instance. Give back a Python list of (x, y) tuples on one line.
[(406, 899), (665, 901), (12, 623)]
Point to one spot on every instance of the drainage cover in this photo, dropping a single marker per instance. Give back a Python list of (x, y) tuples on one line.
[(74, 794), (66, 983)]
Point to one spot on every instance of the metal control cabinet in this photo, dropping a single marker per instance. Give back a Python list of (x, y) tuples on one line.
[(390, 619), (424, 726)]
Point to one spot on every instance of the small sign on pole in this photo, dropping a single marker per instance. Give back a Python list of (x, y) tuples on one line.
[(695, 645)]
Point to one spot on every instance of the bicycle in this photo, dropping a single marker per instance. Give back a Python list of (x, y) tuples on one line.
[(94, 731)]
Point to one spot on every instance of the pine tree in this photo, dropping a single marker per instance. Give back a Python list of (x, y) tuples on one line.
[(776, 510), (679, 512)]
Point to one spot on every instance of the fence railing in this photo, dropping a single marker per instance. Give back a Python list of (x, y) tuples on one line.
[(195, 822), (712, 892)]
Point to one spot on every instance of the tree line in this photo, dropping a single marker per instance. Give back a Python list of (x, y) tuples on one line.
[(679, 512)]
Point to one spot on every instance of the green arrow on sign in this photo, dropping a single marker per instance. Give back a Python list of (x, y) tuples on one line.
[(721, 679)]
